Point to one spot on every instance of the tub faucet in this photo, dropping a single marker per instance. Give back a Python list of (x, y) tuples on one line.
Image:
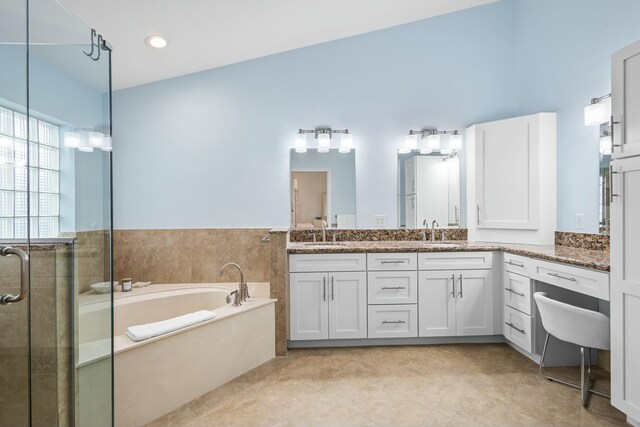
[(243, 288), (434, 224)]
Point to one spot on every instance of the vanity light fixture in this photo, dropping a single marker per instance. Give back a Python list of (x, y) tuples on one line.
[(599, 111), (156, 41), (323, 136), (87, 140), (433, 142)]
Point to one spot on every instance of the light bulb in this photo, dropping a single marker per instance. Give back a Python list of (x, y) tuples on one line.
[(595, 114), (71, 140), (605, 145), (346, 143), (107, 143), (95, 139), (455, 142), (84, 142), (156, 42), (433, 142), (324, 142), (410, 143), (301, 143)]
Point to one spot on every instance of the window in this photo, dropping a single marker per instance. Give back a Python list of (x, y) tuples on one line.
[(44, 176)]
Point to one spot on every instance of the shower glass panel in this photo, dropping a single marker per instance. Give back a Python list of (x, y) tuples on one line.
[(55, 205)]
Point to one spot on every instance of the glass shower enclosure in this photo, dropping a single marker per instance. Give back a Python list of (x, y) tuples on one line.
[(56, 350)]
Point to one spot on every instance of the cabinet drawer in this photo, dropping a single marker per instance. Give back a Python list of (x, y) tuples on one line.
[(327, 262), (392, 321), (518, 264), (391, 287), (518, 328), (588, 282), (517, 292), (392, 261), (454, 260)]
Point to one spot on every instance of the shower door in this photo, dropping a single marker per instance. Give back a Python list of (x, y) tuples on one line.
[(55, 219)]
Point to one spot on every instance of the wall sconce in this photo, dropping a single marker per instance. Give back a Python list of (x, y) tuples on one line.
[(87, 140), (599, 111), (433, 141), (323, 136)]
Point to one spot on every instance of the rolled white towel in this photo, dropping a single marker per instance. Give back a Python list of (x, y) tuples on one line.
[(150, 330)]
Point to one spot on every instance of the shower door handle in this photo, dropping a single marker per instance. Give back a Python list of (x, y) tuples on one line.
[(24, 275)]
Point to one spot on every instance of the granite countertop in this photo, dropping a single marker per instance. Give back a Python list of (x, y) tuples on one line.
[(597, 260)]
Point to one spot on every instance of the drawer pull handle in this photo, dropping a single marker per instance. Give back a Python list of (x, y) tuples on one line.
[(387, 261), (560, 276), (393, 322), (517, 264), (514, 292), (393, 287), (511, 325)]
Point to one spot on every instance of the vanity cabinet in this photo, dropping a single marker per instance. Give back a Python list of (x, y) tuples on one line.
[(458, 300), (625, 101), (327, 296), (625, 286), (328, 305)]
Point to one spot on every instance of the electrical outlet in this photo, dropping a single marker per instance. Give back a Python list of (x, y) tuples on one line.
[(580, 222), (379, 221)]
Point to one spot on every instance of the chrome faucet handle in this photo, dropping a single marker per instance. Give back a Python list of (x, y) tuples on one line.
[(335, 236), (236, 299), (245, 289)]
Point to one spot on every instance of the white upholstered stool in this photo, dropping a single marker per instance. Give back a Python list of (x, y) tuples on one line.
[(586, 328)]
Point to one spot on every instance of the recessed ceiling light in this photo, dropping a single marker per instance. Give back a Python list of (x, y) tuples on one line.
[(157, 42)]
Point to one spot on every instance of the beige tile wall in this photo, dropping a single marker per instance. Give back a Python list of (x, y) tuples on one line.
[(190, 255)]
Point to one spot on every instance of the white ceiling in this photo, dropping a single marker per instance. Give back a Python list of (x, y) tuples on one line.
[(205, 34)]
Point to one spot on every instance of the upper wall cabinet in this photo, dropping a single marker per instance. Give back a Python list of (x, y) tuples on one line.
[(625, 104), (511, 175)]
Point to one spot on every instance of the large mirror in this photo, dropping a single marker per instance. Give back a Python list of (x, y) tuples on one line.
[(428, 190), (323, 189), (604, 195)]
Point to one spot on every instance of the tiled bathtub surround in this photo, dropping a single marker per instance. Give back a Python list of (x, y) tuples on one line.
[(278, 278), (376, 235), (595, 242), (190, 255)]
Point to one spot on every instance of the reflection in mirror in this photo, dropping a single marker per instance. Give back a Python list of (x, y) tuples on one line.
[(428, 190), (604, 196), (323, 188)]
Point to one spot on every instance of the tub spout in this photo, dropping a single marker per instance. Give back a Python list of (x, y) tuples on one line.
[(243, 288)]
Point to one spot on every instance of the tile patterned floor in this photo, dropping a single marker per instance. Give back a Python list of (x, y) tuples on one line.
[(446, 385)]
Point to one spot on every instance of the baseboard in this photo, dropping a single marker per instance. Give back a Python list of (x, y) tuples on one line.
[(371, 342)]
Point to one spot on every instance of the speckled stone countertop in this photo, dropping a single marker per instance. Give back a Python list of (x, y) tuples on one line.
[(594, 259)]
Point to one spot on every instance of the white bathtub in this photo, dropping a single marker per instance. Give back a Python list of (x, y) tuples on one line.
[(155, 376)]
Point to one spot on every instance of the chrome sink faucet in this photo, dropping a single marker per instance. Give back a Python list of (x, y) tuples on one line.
[(434, 224), (426, 227), (242, 293), (324, 231)]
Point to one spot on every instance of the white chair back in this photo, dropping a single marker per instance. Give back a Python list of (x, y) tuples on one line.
[(586, 328)]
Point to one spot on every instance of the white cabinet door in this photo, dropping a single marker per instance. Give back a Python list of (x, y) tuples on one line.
[(508, 148), (410, 211), (625, 286), (347, 295), (410, 176), (474, 303), (308, 306), (625, 102), (436, 304)]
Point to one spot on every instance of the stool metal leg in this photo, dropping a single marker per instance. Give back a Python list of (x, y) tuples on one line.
[(585, 389)]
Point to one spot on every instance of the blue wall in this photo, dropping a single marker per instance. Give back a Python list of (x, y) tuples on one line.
[(190, 151), (563, 60)]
